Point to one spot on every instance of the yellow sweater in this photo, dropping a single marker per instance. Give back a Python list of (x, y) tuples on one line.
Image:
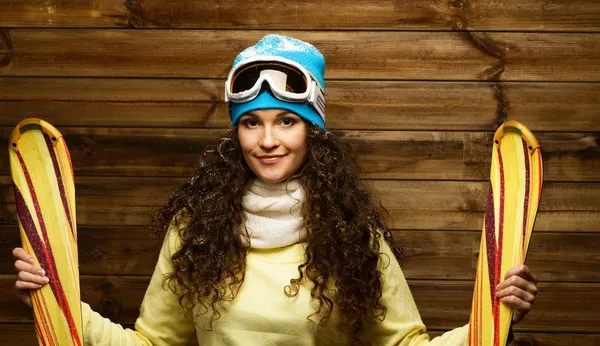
[(261, 313)]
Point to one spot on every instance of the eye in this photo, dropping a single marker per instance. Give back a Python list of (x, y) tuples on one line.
[(288, 122), (250, 122)]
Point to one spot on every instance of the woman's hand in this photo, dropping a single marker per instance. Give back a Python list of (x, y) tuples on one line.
[(29, 277), (519, 290)]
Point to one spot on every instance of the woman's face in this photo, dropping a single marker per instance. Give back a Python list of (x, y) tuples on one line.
[(273, 142)]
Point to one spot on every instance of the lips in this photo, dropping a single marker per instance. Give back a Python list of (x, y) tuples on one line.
[(270, 160)]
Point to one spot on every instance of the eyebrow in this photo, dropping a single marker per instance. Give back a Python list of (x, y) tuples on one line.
[(280, 114)]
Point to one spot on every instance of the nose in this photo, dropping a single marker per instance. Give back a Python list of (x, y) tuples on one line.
[(270, 139)]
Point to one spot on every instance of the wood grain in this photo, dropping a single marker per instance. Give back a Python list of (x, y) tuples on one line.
[(369, 105), (453, 255), (371, 55), (416, 87), (425, 205), (102, 250), (571, 221), (564, 307), (395, 195), (510, 15), (446, 304), (434, 254), (427, 155)]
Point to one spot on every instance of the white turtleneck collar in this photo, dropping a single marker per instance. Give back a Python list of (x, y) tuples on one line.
[(273, 214)]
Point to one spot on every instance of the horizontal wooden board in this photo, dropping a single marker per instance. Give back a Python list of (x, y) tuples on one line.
[(444, 205), (429, 254), (581, 15), (442, 303), (562, 257), (18, 334), (102, 250), (395, 195), (368, 105), (382, 154), (564, 307), (350, 55), (23, 334), (571, 221)]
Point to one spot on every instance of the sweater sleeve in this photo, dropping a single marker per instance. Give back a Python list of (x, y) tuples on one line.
[(162, 320), (402, 324)]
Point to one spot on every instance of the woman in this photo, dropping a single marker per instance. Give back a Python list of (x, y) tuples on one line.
[(275, 239)]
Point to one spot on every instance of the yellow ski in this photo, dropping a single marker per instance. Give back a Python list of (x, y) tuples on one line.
[(45, 196), (512, 203)]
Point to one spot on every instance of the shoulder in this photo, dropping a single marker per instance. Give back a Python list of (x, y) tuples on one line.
[(173, 241), (388, 264)]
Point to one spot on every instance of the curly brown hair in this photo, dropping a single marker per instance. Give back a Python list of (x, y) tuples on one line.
[(344, 227)]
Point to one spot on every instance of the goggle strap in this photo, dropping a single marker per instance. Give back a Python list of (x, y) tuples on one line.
[(317, 99)]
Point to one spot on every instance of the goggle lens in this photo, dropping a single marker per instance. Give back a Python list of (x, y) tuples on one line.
[(246, 77)]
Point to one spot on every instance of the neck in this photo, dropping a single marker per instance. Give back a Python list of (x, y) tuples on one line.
[(273, 214)]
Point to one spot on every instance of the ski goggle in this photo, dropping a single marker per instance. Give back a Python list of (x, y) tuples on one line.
[(288, 81)]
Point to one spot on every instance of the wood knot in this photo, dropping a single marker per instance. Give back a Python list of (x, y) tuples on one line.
[(524, 341), (5, 40), (458, 3), (458, 24), (106, 287), (492, 72), (131, 4), (502, 108), (6, 47), (110, 307)]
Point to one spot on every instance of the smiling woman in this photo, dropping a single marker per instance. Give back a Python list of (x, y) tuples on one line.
[(275, 239), (273, 142)]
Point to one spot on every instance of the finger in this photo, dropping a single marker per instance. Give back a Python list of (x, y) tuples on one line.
[(28, 277), (523, 271), (23, 285), (521, 308), (27, 267), (516, 302), (518, 282), (24, 295), (20, 254), (525, 281), (517, 293)]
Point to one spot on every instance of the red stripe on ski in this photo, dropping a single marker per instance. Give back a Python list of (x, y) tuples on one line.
[(54, 340), (526, 201), (60, 182), (47, 324), (41, 321), (539, 154), (51, 271), (39, 332), (490, 238), (495, 299)]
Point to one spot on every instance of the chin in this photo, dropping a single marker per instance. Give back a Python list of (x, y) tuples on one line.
[(273, 178)]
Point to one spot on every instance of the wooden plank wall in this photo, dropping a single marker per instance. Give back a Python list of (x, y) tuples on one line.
[(417, 86)]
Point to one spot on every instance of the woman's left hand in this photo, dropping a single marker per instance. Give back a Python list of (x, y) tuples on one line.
[(519, 290)]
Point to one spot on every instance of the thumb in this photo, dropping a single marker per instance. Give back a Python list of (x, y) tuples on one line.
[(25, 296)]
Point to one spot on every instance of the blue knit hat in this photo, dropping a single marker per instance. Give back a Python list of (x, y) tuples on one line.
[(283, 47)]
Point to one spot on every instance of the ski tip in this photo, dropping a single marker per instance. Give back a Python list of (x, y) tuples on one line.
[(517, 127), (31, 124)]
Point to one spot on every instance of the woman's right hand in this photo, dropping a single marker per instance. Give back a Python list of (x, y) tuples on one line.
[(29, 277)]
